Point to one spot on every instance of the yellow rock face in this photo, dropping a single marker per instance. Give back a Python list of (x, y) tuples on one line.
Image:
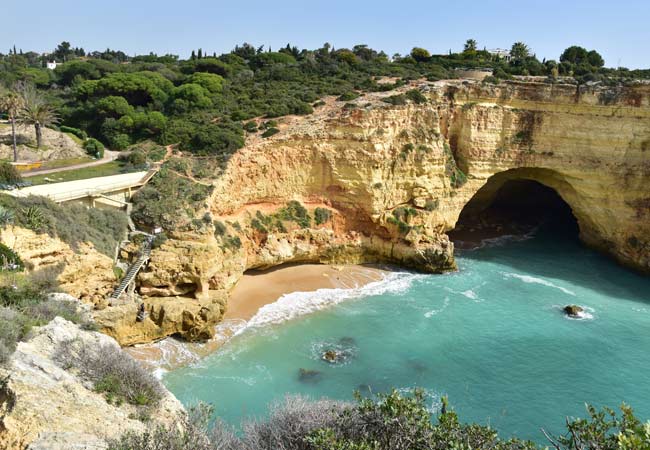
[(395, 179), (591, 145), (85, 273)]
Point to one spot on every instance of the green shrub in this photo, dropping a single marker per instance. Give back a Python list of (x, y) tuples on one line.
[(71, 223), (168, 201), (259, 226), (231, 242), (416, 96), (250, 127), (348, 96), (431, 205), (270, 132), (398, 99), (114, 373), (219, 228), (295, 212), (404, 213), (9, 174), (94, 148), (81, 134), (9, 260), (158, 240), (322, 215)]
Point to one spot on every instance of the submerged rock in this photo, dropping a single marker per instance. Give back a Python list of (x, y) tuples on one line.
[(573, 310), (309, 375), (348, 341)]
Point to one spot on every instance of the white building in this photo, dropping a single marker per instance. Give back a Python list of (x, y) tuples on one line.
[(51, 65), (501, 53)]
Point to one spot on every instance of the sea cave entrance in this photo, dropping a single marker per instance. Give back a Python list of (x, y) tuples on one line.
[(515, 203)]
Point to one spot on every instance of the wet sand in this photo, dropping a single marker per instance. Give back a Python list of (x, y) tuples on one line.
[(260, 288), (255, 290)]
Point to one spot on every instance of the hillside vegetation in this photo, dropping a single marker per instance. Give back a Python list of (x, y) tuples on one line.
[(205, 103)]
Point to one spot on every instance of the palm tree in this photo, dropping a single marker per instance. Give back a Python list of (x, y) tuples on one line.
[(519, 51), (12, 103), (37, 112)]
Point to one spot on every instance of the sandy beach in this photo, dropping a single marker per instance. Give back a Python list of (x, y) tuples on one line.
[(259, 288), (255, 290)]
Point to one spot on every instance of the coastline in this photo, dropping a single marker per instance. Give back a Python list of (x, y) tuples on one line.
[(255, 290), (260, 288)]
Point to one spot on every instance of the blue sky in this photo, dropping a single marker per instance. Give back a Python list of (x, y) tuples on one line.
[(620, 30)]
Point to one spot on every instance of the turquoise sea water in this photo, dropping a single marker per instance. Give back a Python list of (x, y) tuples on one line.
[(491, 336)]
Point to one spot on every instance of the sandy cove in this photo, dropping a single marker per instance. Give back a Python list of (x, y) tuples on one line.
[(255, 290)]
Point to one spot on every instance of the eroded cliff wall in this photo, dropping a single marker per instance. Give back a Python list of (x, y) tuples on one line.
[(396, 177)]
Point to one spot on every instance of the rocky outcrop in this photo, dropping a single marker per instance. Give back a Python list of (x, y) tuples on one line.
[(189, 318), (396, 178), (56, 145), (83, 273), (44, 406)]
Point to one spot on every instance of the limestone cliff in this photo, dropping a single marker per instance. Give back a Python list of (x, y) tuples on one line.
[(378, 181), (84, 273), (396, 177)]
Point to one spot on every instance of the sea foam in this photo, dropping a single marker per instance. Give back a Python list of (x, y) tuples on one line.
[(535, 280), (295, 304)]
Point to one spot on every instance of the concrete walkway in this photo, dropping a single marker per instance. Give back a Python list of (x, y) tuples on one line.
[(70, 190), (109, 156)]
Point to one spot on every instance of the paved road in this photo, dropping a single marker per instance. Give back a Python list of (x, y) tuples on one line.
[(109, 155)]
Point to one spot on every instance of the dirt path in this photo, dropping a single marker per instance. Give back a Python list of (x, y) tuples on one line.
[(109, 156)]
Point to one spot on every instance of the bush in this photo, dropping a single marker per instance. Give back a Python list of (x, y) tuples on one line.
[(168, 201), (270, 132), (81, 134), (295, 212), (9, 260), (137, 159), (250, 127), (159, 240), (399, 99), (71, 223), (191, 432), (94, 148), (416, 96), (9, 174), (114, 373), (322, 215), (347, 96), (392, 421)]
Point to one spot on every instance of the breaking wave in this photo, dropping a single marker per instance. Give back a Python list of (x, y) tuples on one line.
[(295, 304)]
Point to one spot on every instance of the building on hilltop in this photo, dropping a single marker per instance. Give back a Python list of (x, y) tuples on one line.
[(501, 53), (51, 64)]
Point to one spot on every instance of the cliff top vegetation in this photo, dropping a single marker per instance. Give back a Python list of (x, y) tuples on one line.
[(205, 103)]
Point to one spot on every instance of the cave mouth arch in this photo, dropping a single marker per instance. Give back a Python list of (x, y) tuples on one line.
[(509, 204)]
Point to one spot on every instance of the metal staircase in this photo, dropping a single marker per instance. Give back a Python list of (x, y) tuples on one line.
[(134, 269)]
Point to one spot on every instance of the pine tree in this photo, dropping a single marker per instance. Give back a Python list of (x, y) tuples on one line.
[(193, 56), (200, 55)]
